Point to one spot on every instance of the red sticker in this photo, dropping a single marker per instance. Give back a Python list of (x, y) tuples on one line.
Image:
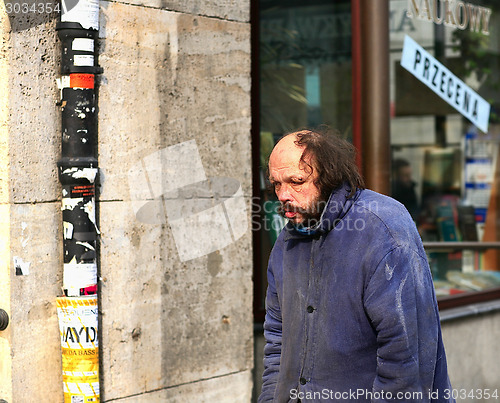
[(82, 191), (81, 80)]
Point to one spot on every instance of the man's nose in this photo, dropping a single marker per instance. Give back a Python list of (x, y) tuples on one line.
[(284, 194)]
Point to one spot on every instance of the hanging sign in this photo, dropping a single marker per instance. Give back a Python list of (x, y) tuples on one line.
[(444, 83)]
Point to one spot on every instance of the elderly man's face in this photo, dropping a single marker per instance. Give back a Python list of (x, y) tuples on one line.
[(293, 182)]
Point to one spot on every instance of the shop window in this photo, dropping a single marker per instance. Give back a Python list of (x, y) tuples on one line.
[(445, 165), (444, 158), (304, 54)]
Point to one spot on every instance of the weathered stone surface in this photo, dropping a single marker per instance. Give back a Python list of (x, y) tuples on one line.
[(36, 245), (188, 320), (34, 118), (180, 328), (468, 343), (30, 217), (171, 78), (5, 304), (227, 389), (5, 259), (4, 107), (234, 10)]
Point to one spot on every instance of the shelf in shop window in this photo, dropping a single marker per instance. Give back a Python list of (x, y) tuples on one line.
[(449, 246), (468, 298)]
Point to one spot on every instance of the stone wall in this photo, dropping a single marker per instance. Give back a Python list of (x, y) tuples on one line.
[(471, 345), (31, 235), (171, 77), (174, 326)]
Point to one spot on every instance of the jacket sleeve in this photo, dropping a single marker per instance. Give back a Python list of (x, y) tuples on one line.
[(272, 334), (400, 303)]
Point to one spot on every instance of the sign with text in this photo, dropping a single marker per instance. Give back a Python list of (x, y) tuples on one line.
[(80, 348), (444, 83), (458, 14)]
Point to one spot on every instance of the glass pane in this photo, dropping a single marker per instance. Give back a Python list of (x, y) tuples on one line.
[(443, 156), (305, 65), (305, 81)]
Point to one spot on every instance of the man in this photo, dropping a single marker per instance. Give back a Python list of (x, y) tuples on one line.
[(403, 186), (351, 313)]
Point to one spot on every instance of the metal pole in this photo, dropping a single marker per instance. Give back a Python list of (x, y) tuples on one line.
[(77, 309), (375, 94), (357, 90), (78, 163)]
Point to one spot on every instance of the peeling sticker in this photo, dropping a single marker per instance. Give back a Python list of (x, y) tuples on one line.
[(83, 60), (63, 82), (79, 173), (78, 327), (70, 204), (85, 12), (68, 230), (90, 210), (79, 275), (24, 241), (22, 267), (85, 245), (83, 44), (81, 80)]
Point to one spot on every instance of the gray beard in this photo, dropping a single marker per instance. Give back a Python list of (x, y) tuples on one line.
[(311, 217)]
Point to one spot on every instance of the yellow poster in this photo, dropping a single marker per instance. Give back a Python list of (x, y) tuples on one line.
[(80, 352)]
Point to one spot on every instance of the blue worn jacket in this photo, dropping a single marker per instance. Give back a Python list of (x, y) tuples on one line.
[(351, 313)]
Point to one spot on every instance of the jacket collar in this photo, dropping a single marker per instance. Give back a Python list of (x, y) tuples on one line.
[(336, 208)]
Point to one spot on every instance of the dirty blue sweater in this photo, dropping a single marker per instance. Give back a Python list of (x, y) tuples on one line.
[(351, 313)]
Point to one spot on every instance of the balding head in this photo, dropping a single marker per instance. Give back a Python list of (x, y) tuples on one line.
[(293, 178), (330, 157), (286, 151)]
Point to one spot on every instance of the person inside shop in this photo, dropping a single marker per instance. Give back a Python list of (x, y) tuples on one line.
[(403, 186), (351, 313)]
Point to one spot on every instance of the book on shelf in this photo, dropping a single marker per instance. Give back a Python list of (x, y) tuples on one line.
[(467, 223), (478, 281), (445, 219)]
